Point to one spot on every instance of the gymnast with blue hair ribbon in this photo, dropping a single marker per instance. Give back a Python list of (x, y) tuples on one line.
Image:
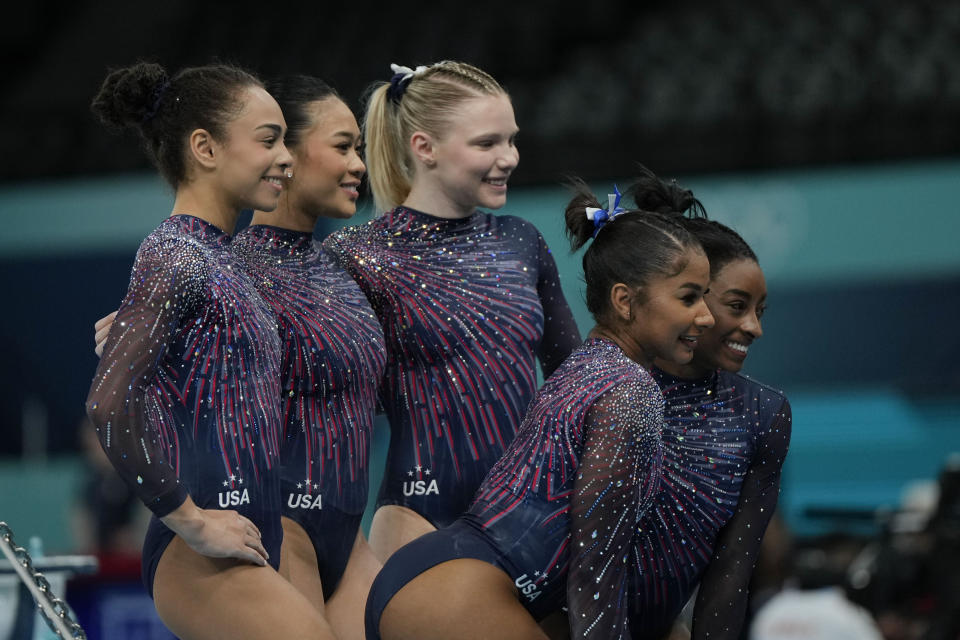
[(600, 217)]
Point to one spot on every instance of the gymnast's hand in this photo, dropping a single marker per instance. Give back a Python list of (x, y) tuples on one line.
[(217, 533), (101, 331)]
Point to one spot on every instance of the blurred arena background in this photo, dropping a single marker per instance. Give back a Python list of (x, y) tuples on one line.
[(827, 133)]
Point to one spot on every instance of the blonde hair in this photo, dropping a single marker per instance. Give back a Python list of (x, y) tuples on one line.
[(426, 105)]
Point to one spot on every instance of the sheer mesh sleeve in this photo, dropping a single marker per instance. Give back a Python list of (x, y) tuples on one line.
[(560, 333), (618, 475), (167, 281), (721, 603)]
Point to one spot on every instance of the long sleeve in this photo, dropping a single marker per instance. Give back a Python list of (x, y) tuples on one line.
[(560, 333), (722, 599), (615, 484), (166, 283)]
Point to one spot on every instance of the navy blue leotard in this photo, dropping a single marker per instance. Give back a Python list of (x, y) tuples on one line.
[(185, 398), (725, 439), (603, 507), (333, 361), (594, 427), (466, 306)]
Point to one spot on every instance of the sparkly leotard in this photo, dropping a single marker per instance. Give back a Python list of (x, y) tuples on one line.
[(590, 442), (185, 398), (599, 504), (333, 361), (725, 439), (466, 305)]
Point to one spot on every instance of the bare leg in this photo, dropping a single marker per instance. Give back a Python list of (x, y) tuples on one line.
[(298, 563), (202, 598), (466, 599), (394, 526), (346, 606)]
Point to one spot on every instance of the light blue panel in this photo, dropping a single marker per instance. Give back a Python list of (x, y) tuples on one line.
[(36, 499), (861, 448), (892, 221), (840, 224), (69, 217)]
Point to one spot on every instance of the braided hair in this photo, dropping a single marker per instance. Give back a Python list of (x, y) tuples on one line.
[(424, 102)]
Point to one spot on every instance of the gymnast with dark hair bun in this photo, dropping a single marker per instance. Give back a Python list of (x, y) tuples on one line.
[(185, 397), (554, 522), (725, 439)]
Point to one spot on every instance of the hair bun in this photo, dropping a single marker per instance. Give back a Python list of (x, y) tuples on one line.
[(651, 193), (130, 96)]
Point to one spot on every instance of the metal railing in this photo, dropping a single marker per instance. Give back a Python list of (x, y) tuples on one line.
[(55, 611)]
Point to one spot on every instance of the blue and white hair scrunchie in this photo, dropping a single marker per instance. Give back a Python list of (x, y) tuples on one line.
[(601, 217), (401, 78)]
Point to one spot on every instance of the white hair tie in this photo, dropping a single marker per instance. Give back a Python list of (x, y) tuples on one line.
[(401, 78)]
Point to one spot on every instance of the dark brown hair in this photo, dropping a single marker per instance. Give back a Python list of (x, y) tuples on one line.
[(635, 245), (165, 110), (296, 94)]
